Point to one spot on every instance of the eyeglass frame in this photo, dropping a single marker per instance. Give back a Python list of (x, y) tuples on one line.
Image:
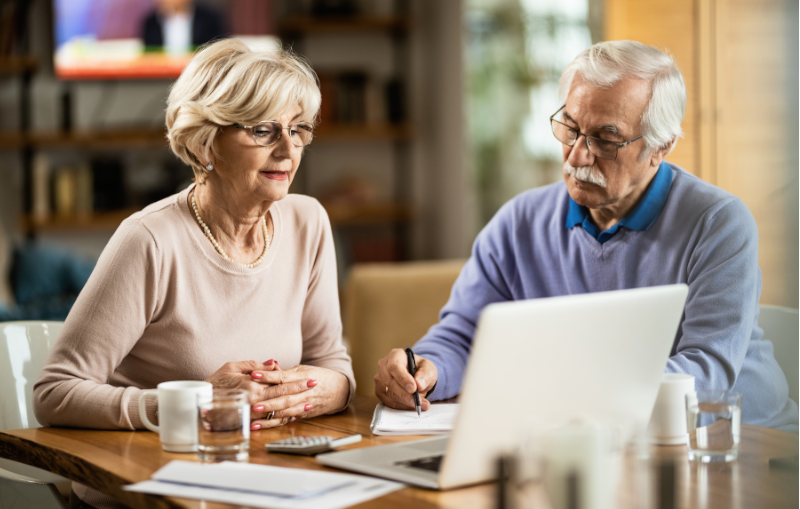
[(253, 133), (586, 137)]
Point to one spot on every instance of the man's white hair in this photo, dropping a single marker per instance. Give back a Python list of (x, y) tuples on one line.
[(607, 63)]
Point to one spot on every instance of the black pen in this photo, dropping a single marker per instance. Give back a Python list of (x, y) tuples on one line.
[(412, 368)]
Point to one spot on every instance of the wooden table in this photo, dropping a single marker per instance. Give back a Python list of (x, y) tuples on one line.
[(107, 460)]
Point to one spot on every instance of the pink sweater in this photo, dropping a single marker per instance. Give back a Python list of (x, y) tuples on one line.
[(162, 305)]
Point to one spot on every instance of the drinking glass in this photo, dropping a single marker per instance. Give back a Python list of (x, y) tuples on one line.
[(714, 421), (223, 432)]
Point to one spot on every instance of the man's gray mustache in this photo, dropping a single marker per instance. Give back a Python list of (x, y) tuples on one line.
[(586, 174)]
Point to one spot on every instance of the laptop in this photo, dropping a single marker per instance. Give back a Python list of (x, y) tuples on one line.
[(539, 363)]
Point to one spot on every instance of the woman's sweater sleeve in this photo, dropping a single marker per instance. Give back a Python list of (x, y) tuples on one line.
[(322, 323), (107, 320)]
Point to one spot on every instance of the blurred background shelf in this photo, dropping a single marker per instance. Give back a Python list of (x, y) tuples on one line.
[(122, 138), (362, 132), (341, 215), (96, 221), (112, 138), (305, 24), (15, 65), (361, 214)]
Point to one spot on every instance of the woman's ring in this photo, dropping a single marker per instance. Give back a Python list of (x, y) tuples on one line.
[(387, 389), (271, 415)]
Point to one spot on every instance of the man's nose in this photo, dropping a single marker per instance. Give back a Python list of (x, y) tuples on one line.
[(580, 155)]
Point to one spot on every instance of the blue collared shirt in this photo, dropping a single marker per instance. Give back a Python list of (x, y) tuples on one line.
[(644, 214)]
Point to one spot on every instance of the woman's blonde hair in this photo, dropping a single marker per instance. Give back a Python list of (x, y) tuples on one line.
[(228, 83)]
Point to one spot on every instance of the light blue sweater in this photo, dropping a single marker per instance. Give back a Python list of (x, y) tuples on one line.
[(683, 231)]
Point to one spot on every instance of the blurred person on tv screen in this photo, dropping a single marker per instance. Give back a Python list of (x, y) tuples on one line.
[(177, 27)]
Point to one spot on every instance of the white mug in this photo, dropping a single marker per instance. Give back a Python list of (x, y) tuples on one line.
[(177, 412), (668, 421)]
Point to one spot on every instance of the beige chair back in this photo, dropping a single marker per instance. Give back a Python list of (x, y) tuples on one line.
[(391, 305), (780, 326)]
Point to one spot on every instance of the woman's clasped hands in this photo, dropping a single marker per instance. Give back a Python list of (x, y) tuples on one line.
[(278, 397)]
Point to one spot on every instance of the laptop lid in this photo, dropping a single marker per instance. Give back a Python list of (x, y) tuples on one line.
[(542, 362)]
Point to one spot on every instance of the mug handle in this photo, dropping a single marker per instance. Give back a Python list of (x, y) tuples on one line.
[(143, 411)]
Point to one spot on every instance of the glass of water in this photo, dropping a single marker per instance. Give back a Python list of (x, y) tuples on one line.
[(223, 432), (714, 422)]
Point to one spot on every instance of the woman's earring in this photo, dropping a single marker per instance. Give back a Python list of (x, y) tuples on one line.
[(210, 167)]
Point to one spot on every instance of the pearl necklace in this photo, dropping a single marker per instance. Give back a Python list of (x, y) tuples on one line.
[(219, 249)]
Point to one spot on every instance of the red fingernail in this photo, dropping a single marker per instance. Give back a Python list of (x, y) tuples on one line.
[(258, 408), (312, 383), (255, 374), (255, 427), (269, 362), (293, 419), (308, 407)]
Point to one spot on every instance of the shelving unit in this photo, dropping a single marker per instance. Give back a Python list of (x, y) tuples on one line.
[(25, 67), (341, 214), (391, 212), (356, 222)]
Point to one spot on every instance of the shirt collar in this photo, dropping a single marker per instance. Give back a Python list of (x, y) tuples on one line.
[(640, 219)]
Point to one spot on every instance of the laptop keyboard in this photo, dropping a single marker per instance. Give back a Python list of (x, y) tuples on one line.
[(431, 463)]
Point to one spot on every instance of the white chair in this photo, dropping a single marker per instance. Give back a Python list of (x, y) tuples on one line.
[(23, 350), (781, 326)]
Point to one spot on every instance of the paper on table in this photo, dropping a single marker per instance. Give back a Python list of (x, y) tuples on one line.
[(282, 482), (343, 490), (438, 420)]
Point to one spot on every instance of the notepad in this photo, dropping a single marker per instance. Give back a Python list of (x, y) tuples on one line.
[(438, 420)]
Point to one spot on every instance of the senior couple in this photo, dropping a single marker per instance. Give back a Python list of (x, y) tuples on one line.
[(233, 280)]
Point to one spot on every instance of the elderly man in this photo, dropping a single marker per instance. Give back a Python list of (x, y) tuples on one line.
[(623, 218)]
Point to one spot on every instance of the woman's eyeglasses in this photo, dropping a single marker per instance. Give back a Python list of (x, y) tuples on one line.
[(267, 132)]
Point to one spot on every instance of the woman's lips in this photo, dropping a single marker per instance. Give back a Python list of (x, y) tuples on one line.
[(276, 175)]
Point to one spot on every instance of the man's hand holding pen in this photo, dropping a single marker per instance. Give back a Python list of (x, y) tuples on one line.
[(395, 386)]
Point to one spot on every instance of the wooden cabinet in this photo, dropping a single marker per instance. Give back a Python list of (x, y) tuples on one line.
[(739, 61)]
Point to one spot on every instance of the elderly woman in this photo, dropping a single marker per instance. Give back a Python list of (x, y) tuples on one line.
[(231, 268)]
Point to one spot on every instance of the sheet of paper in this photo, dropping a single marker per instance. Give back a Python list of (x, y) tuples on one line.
[(439, 418), (264, 479), (347, 489)]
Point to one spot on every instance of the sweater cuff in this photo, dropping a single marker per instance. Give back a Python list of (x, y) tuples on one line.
[(151, 407), (352, 384), (437, 391)]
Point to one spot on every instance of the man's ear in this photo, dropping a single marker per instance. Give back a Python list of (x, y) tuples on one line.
[(658, 155)]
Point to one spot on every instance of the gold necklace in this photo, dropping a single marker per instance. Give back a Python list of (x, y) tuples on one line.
[(219, 249)]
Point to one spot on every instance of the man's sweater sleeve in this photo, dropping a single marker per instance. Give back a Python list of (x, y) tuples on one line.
[(724, 289), (486, 278)]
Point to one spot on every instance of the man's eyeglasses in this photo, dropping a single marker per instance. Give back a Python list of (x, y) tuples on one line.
[(601, 148), (267, 132)]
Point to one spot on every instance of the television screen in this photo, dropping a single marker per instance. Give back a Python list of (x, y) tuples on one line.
[(129, 39)]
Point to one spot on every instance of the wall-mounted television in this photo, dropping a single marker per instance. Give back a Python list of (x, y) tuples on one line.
[(136, 39)]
